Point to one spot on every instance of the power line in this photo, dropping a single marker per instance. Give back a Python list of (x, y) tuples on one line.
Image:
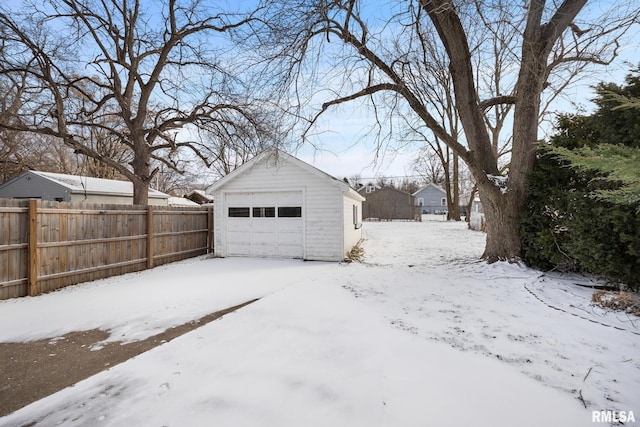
[(390, 177)]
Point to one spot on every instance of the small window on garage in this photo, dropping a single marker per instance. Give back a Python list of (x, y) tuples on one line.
[(356, 217), (269, 212), (289, 212), (238, 212)]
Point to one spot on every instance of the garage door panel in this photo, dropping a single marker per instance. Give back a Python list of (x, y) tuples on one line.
[(264, 238), (237, 232), (238, 249), (264, 199), (264, 233), (238, 225), (263, 250), (289, 199), (288, 252), (289, 225), (264, 225)]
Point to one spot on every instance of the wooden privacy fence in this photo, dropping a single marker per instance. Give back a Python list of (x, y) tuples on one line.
[(48, 245)]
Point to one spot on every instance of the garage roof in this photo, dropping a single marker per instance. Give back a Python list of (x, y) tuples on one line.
[(278, 154)]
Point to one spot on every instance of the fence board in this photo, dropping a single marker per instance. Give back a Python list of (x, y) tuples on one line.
[(74, 243), (13, 248)]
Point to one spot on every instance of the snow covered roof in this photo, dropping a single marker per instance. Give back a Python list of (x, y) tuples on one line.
[(181, 201), (277, 154), (90, 185), (202, 194)]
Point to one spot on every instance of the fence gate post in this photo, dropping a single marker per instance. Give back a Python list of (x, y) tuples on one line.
[(210, 230), (33, 248), (149, 236)]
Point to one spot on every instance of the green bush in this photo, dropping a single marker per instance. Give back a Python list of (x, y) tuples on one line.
[(583, 211), (566, 228)]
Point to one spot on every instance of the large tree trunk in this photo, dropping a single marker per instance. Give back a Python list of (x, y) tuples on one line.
[(503, 199), (502, 214), (141, 172), (140, 192)]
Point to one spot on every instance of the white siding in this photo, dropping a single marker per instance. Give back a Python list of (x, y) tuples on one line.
[(352, 235), (322, 209)]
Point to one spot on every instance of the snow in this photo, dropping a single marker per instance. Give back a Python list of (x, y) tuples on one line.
[(500, 181), (420, 333), (139, 305), (181, 201)]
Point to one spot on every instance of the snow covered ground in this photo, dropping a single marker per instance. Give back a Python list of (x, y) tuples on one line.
[(419, 334)]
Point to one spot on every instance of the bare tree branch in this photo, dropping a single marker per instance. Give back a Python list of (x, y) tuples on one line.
[(139, 76), (499, 56), (498, 100)]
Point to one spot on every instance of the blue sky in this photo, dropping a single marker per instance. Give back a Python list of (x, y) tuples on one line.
[(350, 148), (342, 143), (347, 150)]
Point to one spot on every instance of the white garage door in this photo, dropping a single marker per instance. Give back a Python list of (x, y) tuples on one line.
[(265, 224)]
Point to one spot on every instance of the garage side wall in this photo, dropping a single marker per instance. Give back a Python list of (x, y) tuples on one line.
[(352, 223), (324, 224), (322, 209)]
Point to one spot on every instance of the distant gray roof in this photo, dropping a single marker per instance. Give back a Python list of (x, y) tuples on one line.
[(430, 185), (90, 185)]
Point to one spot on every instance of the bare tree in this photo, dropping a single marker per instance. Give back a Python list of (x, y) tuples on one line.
[(237, 142), (376, 51), (384, 181), (107, 74), (172, 182), (10, 153), (437, 92), (407, 185), (21, 151), (355, 181), (428, 166)]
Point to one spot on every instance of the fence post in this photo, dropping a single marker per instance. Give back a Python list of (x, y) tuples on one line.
[(210, 230), (33, 248), (149, 236)]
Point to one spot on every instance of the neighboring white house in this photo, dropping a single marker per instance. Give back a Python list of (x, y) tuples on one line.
[(73, 188), (276, 205)]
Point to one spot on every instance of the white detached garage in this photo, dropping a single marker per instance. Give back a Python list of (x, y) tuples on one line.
[(278, 206)]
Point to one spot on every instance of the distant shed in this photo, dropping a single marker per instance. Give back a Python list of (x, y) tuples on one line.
[(387, 203)]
